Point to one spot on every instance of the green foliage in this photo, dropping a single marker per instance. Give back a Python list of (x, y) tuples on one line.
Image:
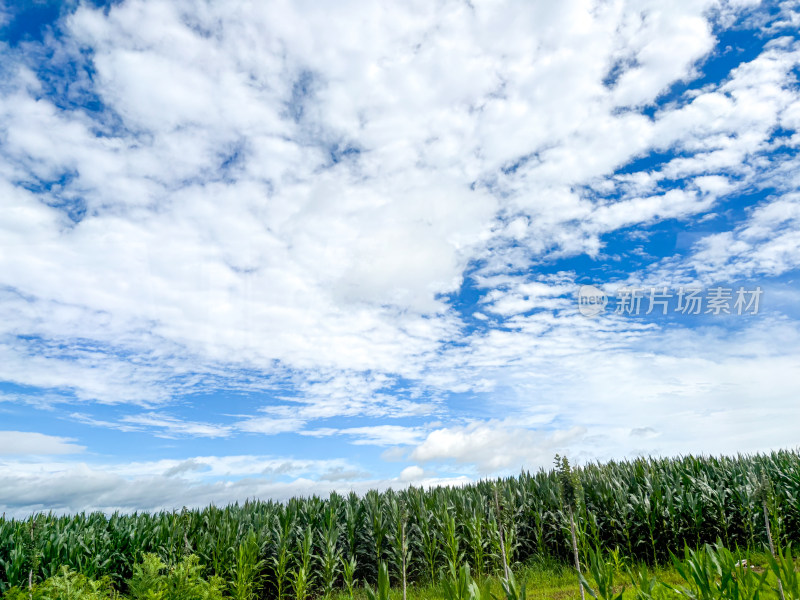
[(713, 573), (602, 571), (451, 537), (400, 536), (619, 562), (763, 491), (302, 574), (430, 533), (299, 580), (348, 571), (15, 593), (331, 555), (153, 580), (247, 573), (477, 538), (644, 584), (569, 483), (382, 591), (283, 526), (460, 586), (511, 589), (67, 585), (782, 566)]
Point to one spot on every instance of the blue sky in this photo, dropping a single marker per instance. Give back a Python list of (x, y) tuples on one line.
[(267, 249)]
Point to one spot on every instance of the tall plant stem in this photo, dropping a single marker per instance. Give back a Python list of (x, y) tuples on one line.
[(405, 550), (500, 531), (771, 545), (575, 552)]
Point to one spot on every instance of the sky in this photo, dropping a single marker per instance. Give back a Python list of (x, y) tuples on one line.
[(264, 249)]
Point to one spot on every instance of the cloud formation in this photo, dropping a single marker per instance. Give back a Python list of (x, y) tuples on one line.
[(273, 229)]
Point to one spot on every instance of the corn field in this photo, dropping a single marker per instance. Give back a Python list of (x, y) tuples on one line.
[(643, 509)]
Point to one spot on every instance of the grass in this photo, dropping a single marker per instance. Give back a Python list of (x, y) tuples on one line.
[(548, 579), (544, 579)]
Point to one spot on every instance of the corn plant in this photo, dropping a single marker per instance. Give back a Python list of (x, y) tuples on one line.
[(331, 555), (382, 591), (301, 576), (399, 540), (282, 534), (452, 547), (713, 573), (643, 583), (460, 585), (17, 558), (348, 571), (380, 524), (511, 589), (762, 496), (617, 560), (477, 542), (299, 580), (782, 566), (247, 573), (429, 532), (602, 572), (569, 493), (501, 537), (353, 518)]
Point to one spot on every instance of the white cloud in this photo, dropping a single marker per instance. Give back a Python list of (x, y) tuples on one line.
[(412, 473), (765, 244), (494, 446), (269, 425), (374, 435), (278, 200), (285, 256), (710, 387), (662, 44), (168, 426), (64, 487), (32, 443)]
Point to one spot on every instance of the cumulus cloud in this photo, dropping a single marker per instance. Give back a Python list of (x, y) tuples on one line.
[(766, 243), (412, 473), (494, 445), (307, 200), (347, 231), (171, 484), (32, 443)]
